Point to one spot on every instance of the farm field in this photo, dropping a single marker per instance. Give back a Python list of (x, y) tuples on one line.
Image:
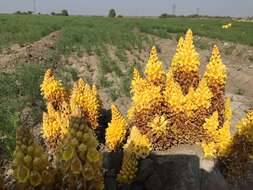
[(104, 51)]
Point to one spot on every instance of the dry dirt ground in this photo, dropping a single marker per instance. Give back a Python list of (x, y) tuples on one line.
[(238, 59)]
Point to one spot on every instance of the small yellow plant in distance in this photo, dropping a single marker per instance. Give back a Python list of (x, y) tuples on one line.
[(116, 130), (227, 26)]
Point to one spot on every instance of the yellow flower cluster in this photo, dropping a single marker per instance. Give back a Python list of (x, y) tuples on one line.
[(30, 164), (138, 146), (154, 69), (159, 125), (129, 168), (245, 126), (221, 138), (138, 84), (51, 126), (216, 72), (195, 99), (227, 26), (186, 58), (79, 158), (86, 98), (52, 89), (116, 130)]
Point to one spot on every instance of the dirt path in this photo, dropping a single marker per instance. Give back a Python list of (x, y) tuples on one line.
[(32, 53)]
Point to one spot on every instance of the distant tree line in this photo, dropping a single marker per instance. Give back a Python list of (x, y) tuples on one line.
[(165, 15)]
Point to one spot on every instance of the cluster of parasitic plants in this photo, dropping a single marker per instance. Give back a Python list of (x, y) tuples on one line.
[(168, 108)]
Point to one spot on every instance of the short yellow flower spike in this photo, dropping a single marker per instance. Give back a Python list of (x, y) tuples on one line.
[(86, 98), (144, 100), (173, 94), (129, 168), (52, 89), (116, 130), (216, 72), (159, 125), (51, 126), (211, 125), (138, 144), (200, 98), (155, 74), (138, 84), (245, 125), (186, 58)]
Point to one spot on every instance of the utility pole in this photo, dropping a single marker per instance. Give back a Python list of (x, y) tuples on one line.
[(174, 9), (198, 10), (34, 6)]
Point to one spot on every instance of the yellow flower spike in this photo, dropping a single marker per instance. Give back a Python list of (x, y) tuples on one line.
[(228, 110), (211, 125), (52, 89), (216, 72), (173, 95), (116, 130), (138, 84), (246, 124), (86, 98), (186, 58), (51, 126), (199, 98), (129, 168), (138, 144), (78, 155), (209, 149), (145, 100), (154, 71), (65, 114)]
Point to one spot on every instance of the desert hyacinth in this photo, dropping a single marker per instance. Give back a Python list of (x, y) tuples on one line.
[(30, 164), (86, 98), (60, 107), (116, 130), (78, 157), (52, 90), (180, 96), (137, 147), (237, 161)]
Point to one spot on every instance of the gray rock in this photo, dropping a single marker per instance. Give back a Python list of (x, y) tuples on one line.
[(112, 161), (212, 180), (153, 183), (137, 186), (146, 168), (110, 183)]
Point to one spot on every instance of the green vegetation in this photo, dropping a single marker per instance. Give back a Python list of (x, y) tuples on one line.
[(92, 35)]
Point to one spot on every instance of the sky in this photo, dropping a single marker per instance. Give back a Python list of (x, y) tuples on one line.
[(235, 8)]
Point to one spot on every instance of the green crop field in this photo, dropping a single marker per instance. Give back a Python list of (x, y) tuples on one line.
[(20, 87)]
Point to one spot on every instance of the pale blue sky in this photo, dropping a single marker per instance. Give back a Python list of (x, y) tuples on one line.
[(238, 8)]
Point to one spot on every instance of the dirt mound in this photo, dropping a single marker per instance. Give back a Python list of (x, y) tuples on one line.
[(32, 53)]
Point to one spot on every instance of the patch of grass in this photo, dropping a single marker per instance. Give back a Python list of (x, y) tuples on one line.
[(114, 94)]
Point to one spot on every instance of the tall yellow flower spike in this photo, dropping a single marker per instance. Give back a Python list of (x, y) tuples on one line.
[(245, 125), (154, 71), (216, 72), (173, 95), (51, 126), (86, 98), (186, 58), (52, 89), (116, 130), (138, 84), (200, 98)]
